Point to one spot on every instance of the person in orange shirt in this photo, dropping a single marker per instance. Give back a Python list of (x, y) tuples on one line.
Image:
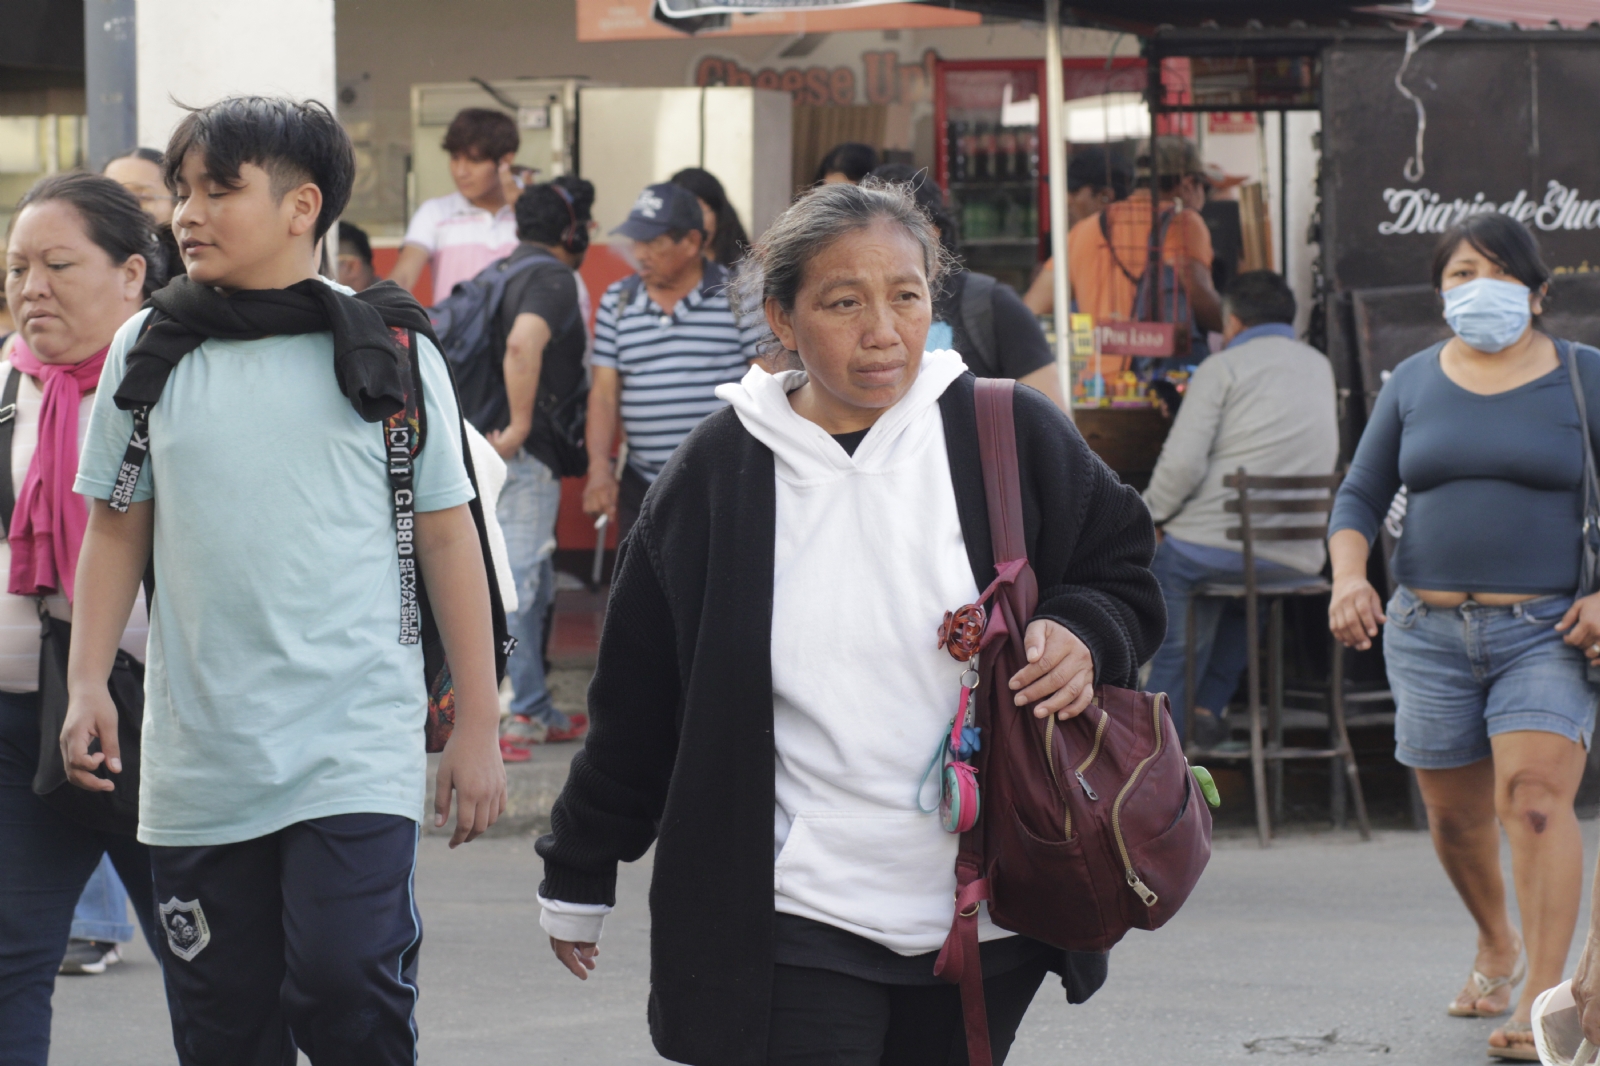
[(1109, 251)]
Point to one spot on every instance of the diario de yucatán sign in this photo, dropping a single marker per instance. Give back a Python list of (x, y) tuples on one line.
[(1425, 211), (1509, 127)]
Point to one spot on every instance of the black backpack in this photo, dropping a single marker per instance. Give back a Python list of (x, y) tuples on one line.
[(404, 434), (464, 323)]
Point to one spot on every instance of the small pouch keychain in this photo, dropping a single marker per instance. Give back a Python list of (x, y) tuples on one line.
[(959, 802)]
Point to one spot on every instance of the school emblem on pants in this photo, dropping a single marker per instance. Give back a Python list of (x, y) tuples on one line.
[(185, 923)]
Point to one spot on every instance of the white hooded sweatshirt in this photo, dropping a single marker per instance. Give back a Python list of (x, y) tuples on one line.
[(868, 557)]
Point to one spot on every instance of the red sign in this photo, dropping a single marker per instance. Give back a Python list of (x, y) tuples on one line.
[(1231, 122), (1158, 339)]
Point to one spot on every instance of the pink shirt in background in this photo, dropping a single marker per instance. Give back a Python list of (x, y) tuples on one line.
[(461, 239)]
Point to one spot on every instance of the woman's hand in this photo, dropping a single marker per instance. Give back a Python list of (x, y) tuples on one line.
[(1355, 612), (1583, 620), (1059, 677), (578, 957)]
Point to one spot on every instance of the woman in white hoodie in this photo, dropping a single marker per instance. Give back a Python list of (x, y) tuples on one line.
[(769, 690)]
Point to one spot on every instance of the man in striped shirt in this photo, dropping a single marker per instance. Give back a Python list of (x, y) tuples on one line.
[(664, 339)]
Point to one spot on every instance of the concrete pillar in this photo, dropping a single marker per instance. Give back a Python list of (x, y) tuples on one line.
[(196, 53), (110, 90)]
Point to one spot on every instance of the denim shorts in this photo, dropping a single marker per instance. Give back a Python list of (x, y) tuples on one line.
[(1464, 674)]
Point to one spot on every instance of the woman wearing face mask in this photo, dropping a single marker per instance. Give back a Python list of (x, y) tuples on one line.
[(769, 688), (1484, 642), (81, 256)]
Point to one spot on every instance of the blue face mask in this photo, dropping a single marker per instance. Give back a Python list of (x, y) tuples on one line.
[(1488, 314)]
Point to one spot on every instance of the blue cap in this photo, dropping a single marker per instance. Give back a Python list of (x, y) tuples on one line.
[(662, 209)]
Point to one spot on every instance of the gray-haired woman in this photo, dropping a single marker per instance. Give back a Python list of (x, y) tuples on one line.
[(769, 687)]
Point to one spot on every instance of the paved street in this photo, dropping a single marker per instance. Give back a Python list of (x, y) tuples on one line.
[(1321, 934)]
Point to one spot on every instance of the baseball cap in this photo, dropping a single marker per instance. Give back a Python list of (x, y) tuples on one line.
[(661, 209)]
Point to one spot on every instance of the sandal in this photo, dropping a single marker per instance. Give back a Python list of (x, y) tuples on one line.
[(1485, 987), (1520, 1052)]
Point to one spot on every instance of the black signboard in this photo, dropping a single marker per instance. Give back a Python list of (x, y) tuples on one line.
[(1510, 127)]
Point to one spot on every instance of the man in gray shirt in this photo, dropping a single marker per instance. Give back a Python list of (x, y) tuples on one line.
[(1265, 403)]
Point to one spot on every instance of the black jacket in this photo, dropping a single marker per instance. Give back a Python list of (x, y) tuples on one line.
[(680, 749)]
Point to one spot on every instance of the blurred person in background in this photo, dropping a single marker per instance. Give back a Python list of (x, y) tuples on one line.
[(1110, 250), (1267, 403), (139, 171), (665, 338), (982, 319), (1487, 634), (81, 257), (1096, 179), (353, 265), (849, 161), (460, 233), (725, 236), (544, 335)]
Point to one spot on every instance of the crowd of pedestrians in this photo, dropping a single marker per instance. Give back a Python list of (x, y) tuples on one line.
[(783, 432)]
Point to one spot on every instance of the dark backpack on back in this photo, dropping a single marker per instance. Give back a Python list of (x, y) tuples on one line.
[(977, 319), (465, 324)]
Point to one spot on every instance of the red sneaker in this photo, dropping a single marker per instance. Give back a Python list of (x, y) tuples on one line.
[(577, 728), (510, 751)]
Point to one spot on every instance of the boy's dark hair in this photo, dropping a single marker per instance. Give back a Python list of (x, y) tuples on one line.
[(294, 141), (356, 238), (581, 191), (112, 215), (547, 214), (852, 159), (1506, 242), (1258, 297), (482, 133), (1097, 168)]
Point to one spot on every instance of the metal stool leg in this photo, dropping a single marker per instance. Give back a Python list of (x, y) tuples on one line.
[(1275, 701), (1338, 798), (1258, 770), (1349, 755), (1188, 676)]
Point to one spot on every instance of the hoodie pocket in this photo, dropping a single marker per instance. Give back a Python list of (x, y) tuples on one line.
[(891, 872)]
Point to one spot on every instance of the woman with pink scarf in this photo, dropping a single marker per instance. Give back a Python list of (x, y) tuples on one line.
[(81, 256)]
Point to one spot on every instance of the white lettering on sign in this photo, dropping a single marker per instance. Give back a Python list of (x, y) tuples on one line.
[(1425, 211)]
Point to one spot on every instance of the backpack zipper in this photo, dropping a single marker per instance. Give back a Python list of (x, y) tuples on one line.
[(1094, 751), (1050, 757), (1143, 890)]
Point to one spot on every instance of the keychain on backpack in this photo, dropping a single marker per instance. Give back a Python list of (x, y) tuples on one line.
[(958, 778)]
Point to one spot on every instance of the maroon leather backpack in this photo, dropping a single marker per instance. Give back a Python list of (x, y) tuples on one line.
[(1089, 827)]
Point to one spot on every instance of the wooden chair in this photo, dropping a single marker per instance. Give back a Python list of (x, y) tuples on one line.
[(1266, 745)]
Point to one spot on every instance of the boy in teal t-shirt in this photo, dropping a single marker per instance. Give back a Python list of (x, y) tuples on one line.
[(282, 751)]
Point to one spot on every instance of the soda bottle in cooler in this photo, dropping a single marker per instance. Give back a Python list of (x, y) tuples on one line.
[(982, 154), (1005, 155), (960, 162)]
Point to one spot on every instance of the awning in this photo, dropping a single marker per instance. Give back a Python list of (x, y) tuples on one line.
[(1528, 14)]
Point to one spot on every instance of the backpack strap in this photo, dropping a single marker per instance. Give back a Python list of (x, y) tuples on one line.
[(8, 427), (630, 292), (960, 959), (402, 440), (977, 317), (138, 450)]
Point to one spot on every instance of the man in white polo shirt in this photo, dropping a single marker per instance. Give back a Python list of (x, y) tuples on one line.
[(460, 234)]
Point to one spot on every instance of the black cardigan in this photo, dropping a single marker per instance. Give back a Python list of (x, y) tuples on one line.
[(680, 748)]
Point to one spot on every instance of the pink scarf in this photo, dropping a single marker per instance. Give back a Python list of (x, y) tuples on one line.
[(47, 527)]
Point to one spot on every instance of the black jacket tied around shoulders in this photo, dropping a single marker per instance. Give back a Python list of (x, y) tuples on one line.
[(680, 749)]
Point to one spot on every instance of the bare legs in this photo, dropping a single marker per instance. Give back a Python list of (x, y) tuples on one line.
[(1528, 786)]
